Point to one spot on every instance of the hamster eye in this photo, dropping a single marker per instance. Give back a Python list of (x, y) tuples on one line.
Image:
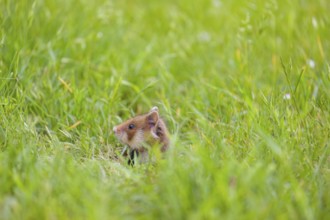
[(131, 126)]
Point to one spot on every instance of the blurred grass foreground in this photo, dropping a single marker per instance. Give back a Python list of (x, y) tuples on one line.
[(244, 87)]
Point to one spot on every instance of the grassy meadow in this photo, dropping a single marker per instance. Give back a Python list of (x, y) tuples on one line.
[(244, 87)]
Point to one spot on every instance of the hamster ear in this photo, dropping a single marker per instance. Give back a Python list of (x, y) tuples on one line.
[(154, 109), (152, 118)]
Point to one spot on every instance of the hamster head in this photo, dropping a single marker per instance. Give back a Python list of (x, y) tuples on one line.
[(139, 130)]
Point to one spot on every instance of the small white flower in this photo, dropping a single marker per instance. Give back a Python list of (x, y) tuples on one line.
[(204, 36), (311, 63), (216, 3), (99, 35), (65, 60), (314, 22), (287, 96), (81, 42)]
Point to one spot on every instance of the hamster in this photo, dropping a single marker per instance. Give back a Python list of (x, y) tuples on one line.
[(139, 131)]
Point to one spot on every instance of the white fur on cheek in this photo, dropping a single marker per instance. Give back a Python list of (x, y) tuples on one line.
[(124, 138), (137, 140)]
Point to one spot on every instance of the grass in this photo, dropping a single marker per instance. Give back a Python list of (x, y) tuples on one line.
[(243, 85)]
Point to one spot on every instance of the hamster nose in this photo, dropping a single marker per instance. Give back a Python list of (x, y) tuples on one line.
[(114, 129)]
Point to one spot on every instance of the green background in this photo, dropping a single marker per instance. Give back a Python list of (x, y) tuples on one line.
[(244, 87)]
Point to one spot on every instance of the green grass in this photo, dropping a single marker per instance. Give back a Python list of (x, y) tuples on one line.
[(218, 70)]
